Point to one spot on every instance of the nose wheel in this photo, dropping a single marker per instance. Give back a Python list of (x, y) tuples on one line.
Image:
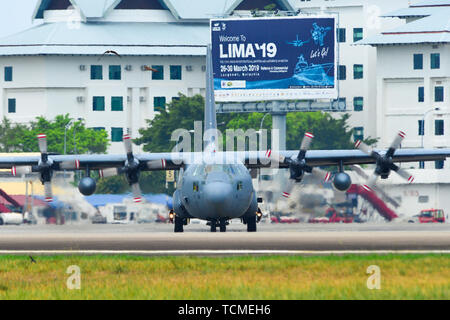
[(221, 223)]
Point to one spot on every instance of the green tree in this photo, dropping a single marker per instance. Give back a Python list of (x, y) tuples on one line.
[(79, 139), (180, 113), (12, 136)]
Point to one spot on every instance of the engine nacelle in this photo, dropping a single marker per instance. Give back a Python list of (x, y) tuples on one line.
[(342, 181), (87, 186)]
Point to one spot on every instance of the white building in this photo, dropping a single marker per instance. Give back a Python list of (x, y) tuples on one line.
[(413, 77), (58, 67), (358, 19)]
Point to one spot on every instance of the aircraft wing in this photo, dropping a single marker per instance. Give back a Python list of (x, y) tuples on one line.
[(174, 161), (169, 161), (321, 158)]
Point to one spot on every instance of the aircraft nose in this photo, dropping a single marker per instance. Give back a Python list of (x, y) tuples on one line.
[(217, 193)]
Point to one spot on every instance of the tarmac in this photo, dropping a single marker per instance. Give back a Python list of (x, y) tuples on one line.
[(159, 239)]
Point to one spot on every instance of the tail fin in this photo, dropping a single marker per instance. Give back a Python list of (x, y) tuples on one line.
[(210, 103)]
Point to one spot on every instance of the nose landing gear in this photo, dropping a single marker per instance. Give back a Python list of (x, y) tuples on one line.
[(221, 223)]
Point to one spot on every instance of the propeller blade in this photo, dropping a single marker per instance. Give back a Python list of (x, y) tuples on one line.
[(363, 147), (371, 184), (306, 143), (110, 172), (20, 171), (398, 140), (359, 171), (157, 164), (128, 143), (321, 174), (274, 156), (404, 174), (137, 194), (42, 140), (70, 165), (48, 191)]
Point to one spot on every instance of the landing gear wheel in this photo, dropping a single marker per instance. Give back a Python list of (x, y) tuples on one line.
[(251, 224), (179, 223), (213, 226), (223, 225)]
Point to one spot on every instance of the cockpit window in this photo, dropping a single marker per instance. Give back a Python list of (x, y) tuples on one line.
[(203, 170)]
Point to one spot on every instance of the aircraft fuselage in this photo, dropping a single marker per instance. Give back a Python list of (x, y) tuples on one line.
[(215, 191)]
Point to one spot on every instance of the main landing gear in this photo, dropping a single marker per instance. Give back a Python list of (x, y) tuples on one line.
[(177, 221)]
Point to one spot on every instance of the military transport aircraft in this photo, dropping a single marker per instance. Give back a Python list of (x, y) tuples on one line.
[(217, 186)]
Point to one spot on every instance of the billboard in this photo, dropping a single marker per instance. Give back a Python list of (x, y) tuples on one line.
[(286, 58)]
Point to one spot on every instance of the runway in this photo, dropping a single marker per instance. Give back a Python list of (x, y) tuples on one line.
[(158, 239)]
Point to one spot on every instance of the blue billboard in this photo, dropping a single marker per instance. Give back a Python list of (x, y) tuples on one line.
[(287, 58)]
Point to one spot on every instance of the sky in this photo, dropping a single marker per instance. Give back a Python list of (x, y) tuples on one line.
[(15, 16)]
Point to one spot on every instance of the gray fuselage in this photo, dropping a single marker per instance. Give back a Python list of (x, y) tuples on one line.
[(215, 191)]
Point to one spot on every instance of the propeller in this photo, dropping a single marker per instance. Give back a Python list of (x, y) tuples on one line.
[(132, 169), (298, 166), (384, 163), (45, 167)]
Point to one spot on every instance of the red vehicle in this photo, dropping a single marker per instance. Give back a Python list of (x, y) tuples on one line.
[(432, 216), (332, 216), (288, 220)]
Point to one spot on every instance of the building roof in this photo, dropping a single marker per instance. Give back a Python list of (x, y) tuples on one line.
[(95, 38), (188, 36), (433, 25), (181, 9)]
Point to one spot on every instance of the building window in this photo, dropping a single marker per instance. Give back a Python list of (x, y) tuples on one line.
[(422, 165), (439, 94), (158, 75), (159, 103), (96, 72), (439, 127), (418, 61), (341, 35), (357, 34), (98, 128), (421, 124), (8, 74), (175, 98), (358, 71), (342, 73), (116, 103), (439, 164), (435, 61), (358, 133), (175, 72), (11, 105), (98, 103), (116, 134), (115, 73), (421, 94), (358, 103)]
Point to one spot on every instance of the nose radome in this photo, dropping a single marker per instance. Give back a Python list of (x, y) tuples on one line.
[(217, 193)]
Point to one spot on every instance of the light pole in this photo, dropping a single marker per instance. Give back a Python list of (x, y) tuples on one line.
[(423, 121), (260, 129), (65, 135)]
